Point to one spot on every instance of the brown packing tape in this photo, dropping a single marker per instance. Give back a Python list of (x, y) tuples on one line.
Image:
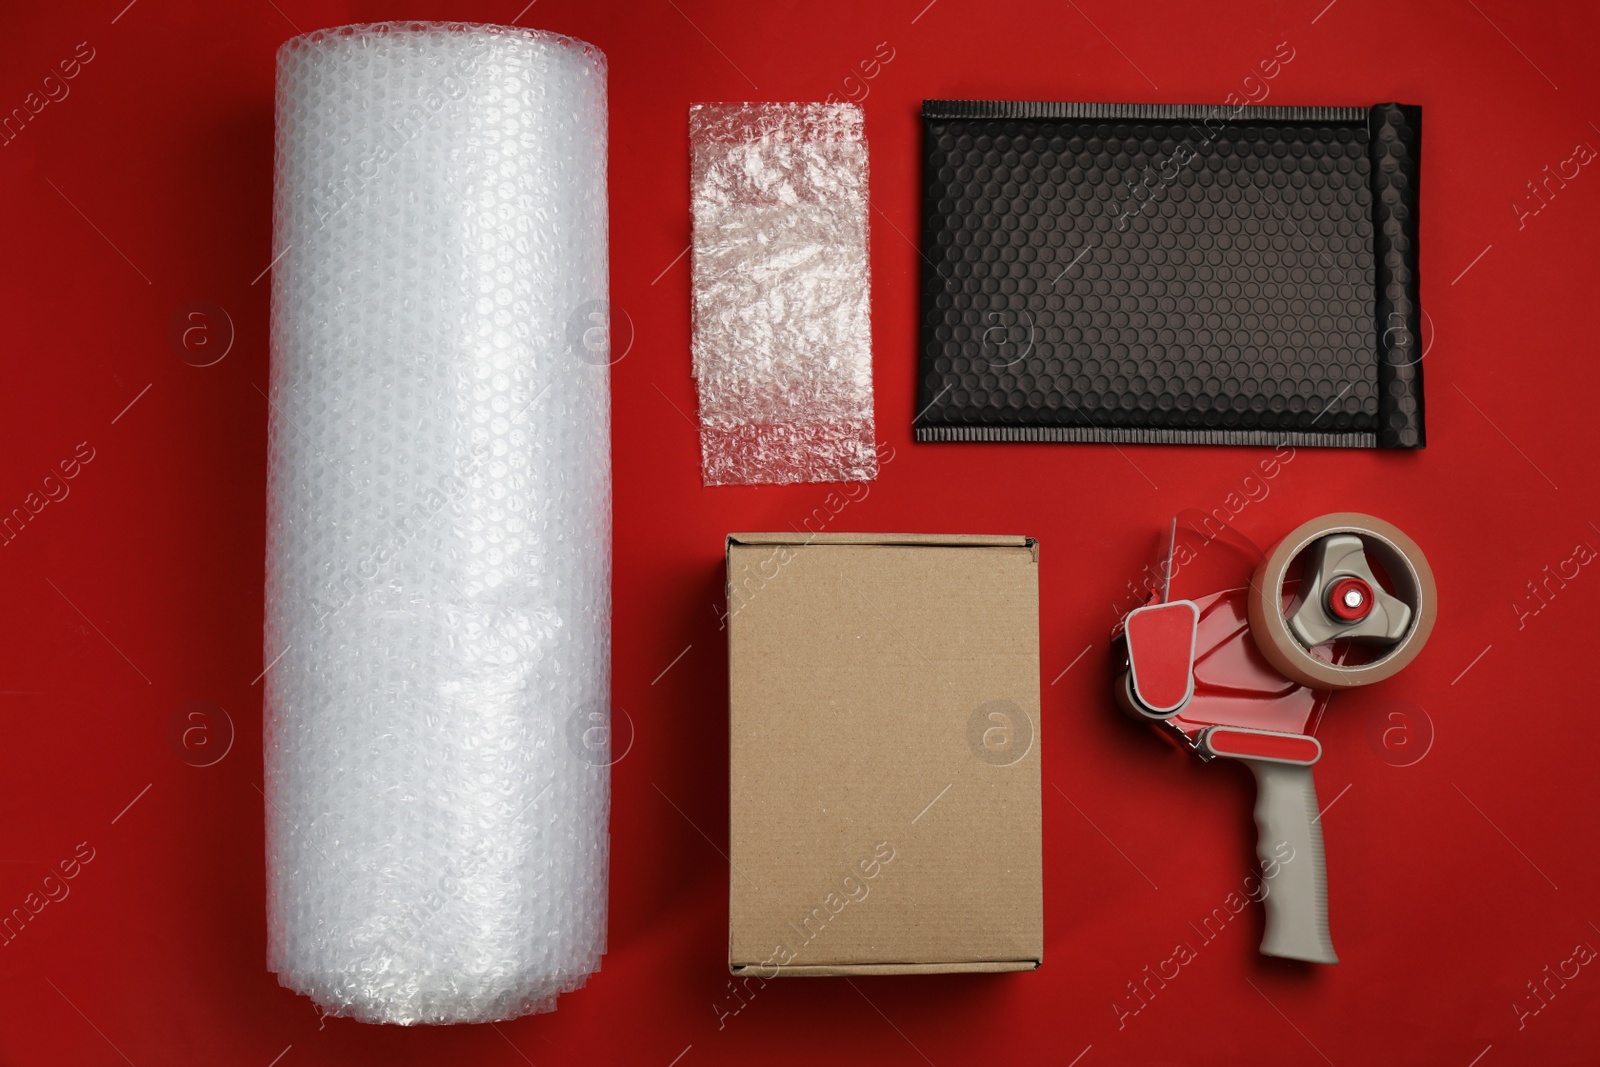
[(1400, 556), (884, 813)]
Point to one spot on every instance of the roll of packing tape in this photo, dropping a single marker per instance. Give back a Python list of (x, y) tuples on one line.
[(1407, 569)]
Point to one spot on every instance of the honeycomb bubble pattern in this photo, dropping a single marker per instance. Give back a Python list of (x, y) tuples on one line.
[(438, 559), (1396, 166), (1148, 273), (782, 338)]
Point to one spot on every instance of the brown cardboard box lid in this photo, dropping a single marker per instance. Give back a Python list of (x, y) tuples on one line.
[(884, 754)]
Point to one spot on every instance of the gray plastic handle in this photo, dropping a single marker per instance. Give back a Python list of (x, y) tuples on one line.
[(1289, 843)]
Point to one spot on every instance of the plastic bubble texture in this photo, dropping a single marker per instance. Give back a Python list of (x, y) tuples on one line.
[(1155, 273), (438, 560), (781, 293)]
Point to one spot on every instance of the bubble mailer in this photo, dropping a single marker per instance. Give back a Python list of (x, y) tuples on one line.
[(437, 609), (782, 338), (1151, 273)]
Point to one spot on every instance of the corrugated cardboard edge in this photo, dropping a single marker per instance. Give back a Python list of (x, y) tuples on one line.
[(835, 970), (890, 539), (845, 970)]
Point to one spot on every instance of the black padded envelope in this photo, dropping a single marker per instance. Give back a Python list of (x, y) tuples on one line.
[(1151, 273)]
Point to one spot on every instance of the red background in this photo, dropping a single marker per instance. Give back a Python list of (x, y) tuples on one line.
[(1454, 880)]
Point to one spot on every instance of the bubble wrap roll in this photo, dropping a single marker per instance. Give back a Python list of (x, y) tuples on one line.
[(782, 333), (438, 559)]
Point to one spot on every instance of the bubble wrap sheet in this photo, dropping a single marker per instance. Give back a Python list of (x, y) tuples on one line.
[(438, 558), (781, 293)]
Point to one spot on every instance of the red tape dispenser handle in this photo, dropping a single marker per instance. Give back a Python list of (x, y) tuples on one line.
[(1288, 837)]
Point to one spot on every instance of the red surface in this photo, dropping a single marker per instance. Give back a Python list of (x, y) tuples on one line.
[(1461, 855)]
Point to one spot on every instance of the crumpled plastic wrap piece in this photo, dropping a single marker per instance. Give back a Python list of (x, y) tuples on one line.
[(438, 560), (781, 293)]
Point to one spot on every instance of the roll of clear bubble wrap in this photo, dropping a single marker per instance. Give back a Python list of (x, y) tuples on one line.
[(438, 559), (782, 333)]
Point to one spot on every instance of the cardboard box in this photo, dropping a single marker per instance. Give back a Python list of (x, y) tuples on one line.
[(884, 754)]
